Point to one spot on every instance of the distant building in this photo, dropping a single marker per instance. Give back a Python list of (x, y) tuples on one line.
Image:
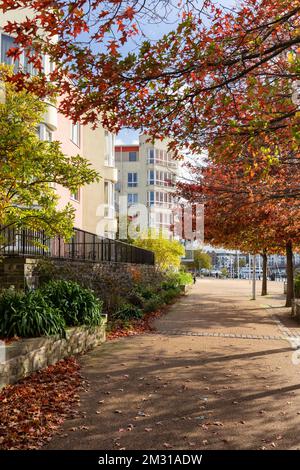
[(147, 174)]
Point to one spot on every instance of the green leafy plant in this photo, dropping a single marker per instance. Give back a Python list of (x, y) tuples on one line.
[(128, 312), (146, 292), (174, 280), (170, 294), (78, 306), (28, 315), (154, 303), (135, 298)]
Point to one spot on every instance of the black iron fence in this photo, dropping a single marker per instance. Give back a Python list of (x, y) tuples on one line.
[(83, 246)]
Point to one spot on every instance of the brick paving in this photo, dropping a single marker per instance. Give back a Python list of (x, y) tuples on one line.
[(220, 372)]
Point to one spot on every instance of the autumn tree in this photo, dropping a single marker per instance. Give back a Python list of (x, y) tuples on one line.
[(240, 212), (29, 167), (222, 79)]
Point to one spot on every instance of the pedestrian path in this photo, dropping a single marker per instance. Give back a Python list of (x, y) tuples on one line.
[(219, 372)]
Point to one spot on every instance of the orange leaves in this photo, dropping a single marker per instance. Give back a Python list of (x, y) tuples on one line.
[(137, 327), (113, 47), (199, 83), (32, 410), (129, 13)]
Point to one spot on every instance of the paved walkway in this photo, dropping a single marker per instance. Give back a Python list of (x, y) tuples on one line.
[(217, 374)]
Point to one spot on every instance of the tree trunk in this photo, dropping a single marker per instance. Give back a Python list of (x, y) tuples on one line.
[(264, 290), (289, 274)]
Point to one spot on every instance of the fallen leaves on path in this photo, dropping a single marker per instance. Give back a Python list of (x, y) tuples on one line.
[(137, 327), (33, 409)]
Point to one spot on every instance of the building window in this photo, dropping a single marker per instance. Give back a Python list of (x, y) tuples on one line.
[(132, 156), (28, 65), (109, 199), (75, 133), (151, 179), (6, 43), (44, 133), (132, 180), (151, 198), (163, 220), (132, 199), (160, 157), (160, 178), (109, 158), (48, 134), (75, 195), (159, 199), (150, 156)]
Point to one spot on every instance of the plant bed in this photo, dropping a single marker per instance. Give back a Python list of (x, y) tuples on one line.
[(118, 328), (31, 354)]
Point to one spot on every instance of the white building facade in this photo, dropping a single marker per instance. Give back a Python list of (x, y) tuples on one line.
[(147, 175)]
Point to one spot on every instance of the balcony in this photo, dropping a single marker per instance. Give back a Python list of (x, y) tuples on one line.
[(111, 174), (165, 163), (50, 117)]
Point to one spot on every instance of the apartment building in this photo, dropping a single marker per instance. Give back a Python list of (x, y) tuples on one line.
[(94, 204), (98, 198), (147, 175)]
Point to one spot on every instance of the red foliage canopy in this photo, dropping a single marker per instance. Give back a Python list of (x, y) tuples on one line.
[(222, 77)]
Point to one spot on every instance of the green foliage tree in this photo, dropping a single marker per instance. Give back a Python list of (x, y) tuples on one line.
[(167, 252), (29, 166), (224, 272), (202, 260)]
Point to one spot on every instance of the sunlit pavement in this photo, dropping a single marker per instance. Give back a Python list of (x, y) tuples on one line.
[(220, 372)]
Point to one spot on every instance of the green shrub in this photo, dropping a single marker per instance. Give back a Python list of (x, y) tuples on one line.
[(78, 306), (145, 291), (135, 298), (175, 280), (128, 312), (184, 278), (154, 303), (170, 294), (28, 315)]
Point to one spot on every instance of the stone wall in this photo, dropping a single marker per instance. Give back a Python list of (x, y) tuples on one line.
[(22, 357), (122, 272), (20, 272)]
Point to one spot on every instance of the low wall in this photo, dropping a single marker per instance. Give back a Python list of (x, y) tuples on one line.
[(21, 358), (296, 309)]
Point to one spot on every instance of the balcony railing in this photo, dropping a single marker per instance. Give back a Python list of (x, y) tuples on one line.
[(165, 163), (83, 246)]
